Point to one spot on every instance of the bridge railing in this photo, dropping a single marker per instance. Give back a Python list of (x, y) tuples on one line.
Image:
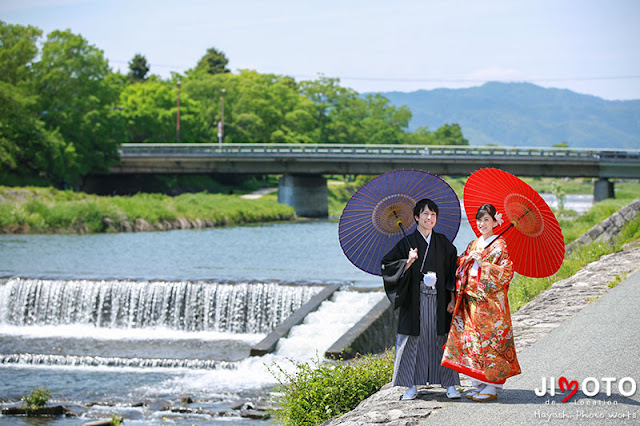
[(346, 151)]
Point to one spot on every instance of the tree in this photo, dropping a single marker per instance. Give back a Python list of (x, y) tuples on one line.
[(342, 116), (448, 134), (18, 49), (75, 97), (258, 107), (326, 94), (26, 146), (213, 62), (138, 68), (150, 109)]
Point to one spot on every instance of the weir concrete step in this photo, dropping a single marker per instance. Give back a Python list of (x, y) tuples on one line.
[(374, 333), (268, 344)]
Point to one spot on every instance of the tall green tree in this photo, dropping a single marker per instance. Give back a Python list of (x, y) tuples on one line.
[(150, 112), (327, 96), (26, 147), (18, 50), (76, 99), (342, 116), (447, 134), (450, 134), (257, 107), (213, 62), (138, 68)]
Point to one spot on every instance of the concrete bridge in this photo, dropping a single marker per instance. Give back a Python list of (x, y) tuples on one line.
[(303, 165)]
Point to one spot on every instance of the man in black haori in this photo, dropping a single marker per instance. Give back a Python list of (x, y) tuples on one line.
[(419, 278)]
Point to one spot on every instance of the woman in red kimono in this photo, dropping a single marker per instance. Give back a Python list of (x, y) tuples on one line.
[(480, 342)]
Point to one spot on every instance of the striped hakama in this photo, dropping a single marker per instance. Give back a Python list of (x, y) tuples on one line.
[(417, 358)]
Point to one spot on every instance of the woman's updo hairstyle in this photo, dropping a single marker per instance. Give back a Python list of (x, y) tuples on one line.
[(486, 209)]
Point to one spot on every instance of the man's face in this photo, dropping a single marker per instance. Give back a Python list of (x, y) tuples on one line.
[(427, 220)]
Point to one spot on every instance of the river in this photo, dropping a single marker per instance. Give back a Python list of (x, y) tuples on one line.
[(130, 323)]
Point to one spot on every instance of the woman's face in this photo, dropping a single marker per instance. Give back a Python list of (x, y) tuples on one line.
[(485, 225), (427, 220)]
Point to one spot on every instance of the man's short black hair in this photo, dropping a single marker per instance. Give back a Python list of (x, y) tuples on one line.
[(425, 202)]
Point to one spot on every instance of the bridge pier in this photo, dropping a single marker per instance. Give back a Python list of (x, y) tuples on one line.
[(602, 189), (307, 194)]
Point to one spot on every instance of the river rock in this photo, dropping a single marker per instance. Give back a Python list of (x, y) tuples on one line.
[(142, 225), (110, 224), (255, 414), (54, 410), (101, 422), (182, 223), (125, 226)]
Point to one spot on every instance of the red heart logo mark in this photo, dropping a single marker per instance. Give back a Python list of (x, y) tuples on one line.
[(573, 385)]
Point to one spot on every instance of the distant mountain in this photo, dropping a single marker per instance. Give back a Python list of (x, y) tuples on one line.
[(523, 114)]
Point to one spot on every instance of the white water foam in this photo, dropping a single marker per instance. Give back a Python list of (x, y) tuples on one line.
[(324, 326), (304, 343), (80, 331)]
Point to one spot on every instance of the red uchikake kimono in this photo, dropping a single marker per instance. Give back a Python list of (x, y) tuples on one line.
[(480, 343)]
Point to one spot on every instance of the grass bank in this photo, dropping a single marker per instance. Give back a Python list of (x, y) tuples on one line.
[(48, 210)]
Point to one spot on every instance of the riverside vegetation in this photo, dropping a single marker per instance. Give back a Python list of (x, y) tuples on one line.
[(320, 390), (48, 210)]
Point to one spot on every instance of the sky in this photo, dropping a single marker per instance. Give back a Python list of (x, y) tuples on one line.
[(587, 46)]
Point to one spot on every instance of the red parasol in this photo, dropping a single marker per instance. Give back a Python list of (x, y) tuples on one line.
[(536, 244)]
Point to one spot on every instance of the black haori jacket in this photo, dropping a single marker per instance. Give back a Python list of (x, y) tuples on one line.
[(404, 290)]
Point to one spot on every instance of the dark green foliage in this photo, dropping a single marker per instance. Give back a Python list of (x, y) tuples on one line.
[(213, 62), (138, 68)]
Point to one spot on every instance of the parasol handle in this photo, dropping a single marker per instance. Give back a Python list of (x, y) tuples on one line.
[(399, 222), (500, 235)]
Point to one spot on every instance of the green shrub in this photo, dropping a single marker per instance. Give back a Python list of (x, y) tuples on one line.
[(36, 398), (116, 420), (320, 390)]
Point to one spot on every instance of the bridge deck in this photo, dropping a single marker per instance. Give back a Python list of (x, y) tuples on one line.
[(374, 159)]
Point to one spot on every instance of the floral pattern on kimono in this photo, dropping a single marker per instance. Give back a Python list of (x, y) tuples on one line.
[(480, 342)]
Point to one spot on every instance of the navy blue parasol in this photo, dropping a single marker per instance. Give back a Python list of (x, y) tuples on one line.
[(380, 213)]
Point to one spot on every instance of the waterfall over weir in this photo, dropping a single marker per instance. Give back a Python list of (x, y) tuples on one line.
[(126, 304)]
